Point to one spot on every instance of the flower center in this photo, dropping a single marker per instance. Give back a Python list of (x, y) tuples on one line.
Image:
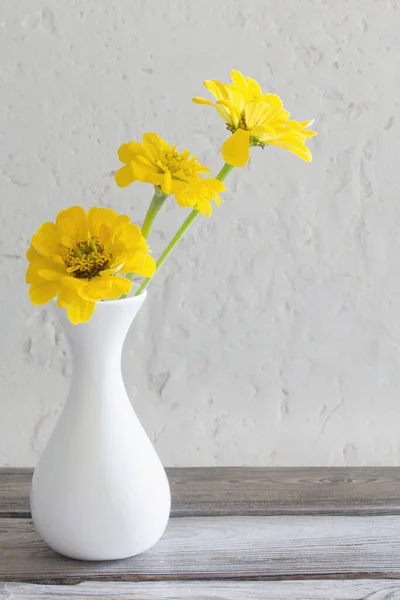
[(177, 163), (87, 259), (242, 121), (241, 124)]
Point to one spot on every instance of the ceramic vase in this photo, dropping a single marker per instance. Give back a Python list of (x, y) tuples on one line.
[(99, 491)]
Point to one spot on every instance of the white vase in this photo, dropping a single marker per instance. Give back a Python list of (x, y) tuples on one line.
[(99, 491)]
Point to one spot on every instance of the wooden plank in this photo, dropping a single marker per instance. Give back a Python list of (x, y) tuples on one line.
[(14, 492), (227, 491), (365, 589), (236, 548)]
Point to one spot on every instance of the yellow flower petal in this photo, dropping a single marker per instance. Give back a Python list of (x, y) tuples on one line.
[(108, 272), (217, 89), (199, 100), (119, 224), (146, 172), (32, 275), (235, 150), (71, 223), (255, 112), (213, 185), (166, 184), (263, 133), (221, 110), (125, 176), (99, 217), (41, 293), (119, 287), (154, 144), (198, 193), (95, 289), (273, 100), (139, 263), (239, 81), (308, 133), (129, 239), (58, 259), (80, 310), (65, 297), (253, 87), (51, 275), (127, 152), (68, 242), (38, 262), (73, 283), (229, 111), (46, 241), (299, 149), (32, 254), (304, 124)]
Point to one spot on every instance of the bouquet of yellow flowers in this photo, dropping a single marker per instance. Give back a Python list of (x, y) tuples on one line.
[(90, 256)]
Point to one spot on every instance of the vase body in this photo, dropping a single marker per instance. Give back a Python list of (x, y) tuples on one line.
[(99, 491)]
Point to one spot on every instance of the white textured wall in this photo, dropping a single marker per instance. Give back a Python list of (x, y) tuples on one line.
[(273, 335)]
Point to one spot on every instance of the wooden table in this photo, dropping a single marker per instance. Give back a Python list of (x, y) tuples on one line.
[(235, 533)]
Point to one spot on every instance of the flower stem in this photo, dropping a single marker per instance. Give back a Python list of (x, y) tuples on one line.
[(224, 172), (169, 248), (156, 203)]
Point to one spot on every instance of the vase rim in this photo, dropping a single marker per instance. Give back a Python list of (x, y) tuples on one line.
[(142, 297)]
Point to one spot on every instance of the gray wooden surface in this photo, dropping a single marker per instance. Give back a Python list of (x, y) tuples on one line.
[(284, 547), (364, 589), (238, 533), (229, 491)]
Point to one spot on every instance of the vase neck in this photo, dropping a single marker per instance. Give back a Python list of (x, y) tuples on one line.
[(97, 345)]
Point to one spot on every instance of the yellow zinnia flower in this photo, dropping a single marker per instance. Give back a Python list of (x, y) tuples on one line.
[(154, 161), (255, 119), (80, 258)]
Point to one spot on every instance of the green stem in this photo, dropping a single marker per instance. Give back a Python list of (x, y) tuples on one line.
[(224, 172), (169, 248), (156, 203)]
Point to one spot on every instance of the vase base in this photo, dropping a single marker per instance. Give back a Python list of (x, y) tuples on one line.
[(101, 557)]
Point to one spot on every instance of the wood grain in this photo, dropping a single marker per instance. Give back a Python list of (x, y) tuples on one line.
[(235, 548), (208, 590), (241, 491), (14, 492)]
